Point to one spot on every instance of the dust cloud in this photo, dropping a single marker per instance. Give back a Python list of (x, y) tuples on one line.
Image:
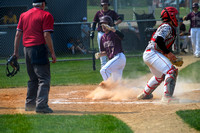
[(115, 91)]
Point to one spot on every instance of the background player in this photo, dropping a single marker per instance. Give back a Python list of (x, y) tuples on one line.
[(157, 57), (194, 18), (105, 11), (110, 45)]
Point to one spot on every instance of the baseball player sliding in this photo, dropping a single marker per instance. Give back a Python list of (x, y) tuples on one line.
[(159, 59), (110, 46), (105, 11)]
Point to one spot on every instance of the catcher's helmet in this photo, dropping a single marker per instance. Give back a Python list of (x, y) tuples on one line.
[(15, 65), (169, 13), (105, 2), (195, 5), (106, 19)]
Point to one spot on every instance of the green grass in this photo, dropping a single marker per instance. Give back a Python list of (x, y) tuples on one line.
[(191, 117), (190, 73), (73, 72), (62, 124)]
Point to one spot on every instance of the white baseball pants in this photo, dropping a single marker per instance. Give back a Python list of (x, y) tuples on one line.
[(160, 67), (195, 38), (114, 67)]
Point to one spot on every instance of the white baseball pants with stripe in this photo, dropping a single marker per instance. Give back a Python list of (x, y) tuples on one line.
[(114, 68), (103, 59), (195, 38), (161, 67)]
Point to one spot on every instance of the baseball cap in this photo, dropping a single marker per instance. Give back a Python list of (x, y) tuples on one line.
[(84, 18), (38, 1)]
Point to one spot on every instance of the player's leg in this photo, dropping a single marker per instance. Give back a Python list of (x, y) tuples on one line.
[(198, 43), (32, 88), (103, 59), (113, 66), (193, 39), (158, 65), (152, 84), (117, 72)]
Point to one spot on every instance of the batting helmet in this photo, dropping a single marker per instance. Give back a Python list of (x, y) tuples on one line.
[(195, 5), (105, 2), (169, 13), (15, 65), (106, 19)]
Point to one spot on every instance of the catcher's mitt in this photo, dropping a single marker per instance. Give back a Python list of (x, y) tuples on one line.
[(178, 62), (12, 61), (107, 27), (97, 55)]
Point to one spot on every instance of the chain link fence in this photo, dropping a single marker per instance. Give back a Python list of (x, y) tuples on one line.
[(140, 19)]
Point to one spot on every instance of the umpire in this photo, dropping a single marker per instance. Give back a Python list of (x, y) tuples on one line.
[(36, 26)]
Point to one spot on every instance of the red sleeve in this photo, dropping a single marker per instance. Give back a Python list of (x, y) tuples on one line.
[(48, 23), (20, 24)]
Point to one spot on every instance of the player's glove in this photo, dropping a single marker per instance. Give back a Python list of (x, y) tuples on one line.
[(97, 55), (92, 35), (107, 27), (178, 62)]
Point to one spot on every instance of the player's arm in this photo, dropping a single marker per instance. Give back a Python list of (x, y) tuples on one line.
[(49, 42), (161, 44), (17, 42), (118, 22), (93, 29), (119, 34)]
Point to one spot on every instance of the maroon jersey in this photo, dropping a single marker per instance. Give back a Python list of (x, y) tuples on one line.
[(194, 19), (111, 43), (101, 13)]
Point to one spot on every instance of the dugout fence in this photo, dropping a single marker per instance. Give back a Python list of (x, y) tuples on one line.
[(140, 20)]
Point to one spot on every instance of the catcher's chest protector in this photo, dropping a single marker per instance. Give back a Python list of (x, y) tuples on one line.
[(170, 38)]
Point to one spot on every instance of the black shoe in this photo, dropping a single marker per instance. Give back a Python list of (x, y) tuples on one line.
[(44, 110), (30, 108), (183, 50), (150, 96)]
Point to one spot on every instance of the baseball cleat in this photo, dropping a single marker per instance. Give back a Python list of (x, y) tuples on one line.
[(144, 96), (168, 99), (102, 84)]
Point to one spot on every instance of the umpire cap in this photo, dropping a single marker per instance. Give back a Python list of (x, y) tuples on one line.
[(38, 1)]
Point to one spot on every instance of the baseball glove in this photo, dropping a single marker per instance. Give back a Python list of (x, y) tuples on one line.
[(178, 62), (12, 61), (108, 27), (97, 55)]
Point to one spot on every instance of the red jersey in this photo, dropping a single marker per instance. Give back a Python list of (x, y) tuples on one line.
[(33, 24)]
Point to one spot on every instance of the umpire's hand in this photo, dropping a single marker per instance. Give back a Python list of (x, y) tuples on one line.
[(92, 35)]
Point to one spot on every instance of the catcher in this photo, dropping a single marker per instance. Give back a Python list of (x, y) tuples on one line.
[(110, 45), (160, 60)]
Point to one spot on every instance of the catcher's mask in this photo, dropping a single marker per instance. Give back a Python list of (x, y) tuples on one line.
[(169, 13), (106, 19), (12, 61)]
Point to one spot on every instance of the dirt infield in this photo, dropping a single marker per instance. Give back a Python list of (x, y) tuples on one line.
[(150, 116)]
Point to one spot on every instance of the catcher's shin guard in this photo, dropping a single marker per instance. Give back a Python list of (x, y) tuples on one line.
[(153, 83), (170, 81)]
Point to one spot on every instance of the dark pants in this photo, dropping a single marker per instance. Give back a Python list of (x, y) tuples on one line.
[(39, 74)]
